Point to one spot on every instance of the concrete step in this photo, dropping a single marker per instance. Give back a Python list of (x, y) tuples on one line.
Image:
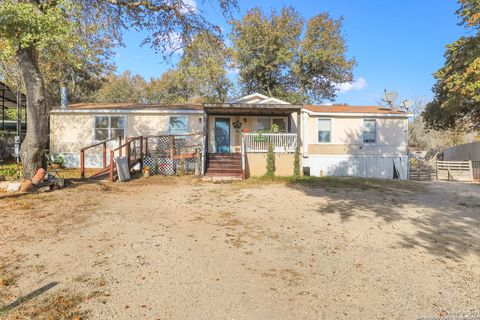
[(224, 171)]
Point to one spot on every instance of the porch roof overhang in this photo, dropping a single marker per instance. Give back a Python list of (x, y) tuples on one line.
[(251, 109)]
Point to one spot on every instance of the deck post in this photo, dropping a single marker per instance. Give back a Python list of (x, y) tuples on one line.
[(172, 146), (104, 154), (127, 152), (112, 155), (120, 146), (82, 164), (198, 167), (141, 153), (146, 146)]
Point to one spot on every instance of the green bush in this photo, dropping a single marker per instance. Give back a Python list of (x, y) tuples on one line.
[(270, 162), (296, 162)]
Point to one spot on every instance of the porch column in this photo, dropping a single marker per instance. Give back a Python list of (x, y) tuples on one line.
[(205, 142), (305, 134)]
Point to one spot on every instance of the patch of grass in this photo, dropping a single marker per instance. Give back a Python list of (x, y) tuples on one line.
[(7, 278), (334, 183), (63, 305)]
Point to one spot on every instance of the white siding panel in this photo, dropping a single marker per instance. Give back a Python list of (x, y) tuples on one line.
[(354, 166)]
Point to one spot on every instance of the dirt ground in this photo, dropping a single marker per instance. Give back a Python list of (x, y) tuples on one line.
[(170, 248)]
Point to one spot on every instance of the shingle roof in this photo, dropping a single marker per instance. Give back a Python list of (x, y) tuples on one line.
[(352, 109), (134, 106)]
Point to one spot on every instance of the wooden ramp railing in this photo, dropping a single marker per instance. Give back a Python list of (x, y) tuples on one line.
[(139, 150), (133, 152), (133, 148), (104, 168)]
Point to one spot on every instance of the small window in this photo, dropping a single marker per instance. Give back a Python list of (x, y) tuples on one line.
[(263, 124), (281, 123), (177, 125), (324, 130), (109, 127), (369, 131)]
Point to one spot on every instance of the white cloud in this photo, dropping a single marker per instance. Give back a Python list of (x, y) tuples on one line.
[(358, 84), (233, 71), (190, 6)]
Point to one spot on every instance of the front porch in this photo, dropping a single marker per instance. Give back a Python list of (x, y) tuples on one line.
[(244, 129)]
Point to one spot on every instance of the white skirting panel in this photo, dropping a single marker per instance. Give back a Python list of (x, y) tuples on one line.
[(357, 166), (92, 160)]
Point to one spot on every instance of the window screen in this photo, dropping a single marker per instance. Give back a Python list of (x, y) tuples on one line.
[(281, 123), (263, 124), (109, 127), (369, 131), (177, 125), (324, 130)]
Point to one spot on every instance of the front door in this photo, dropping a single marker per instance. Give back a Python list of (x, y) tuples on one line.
[(222, 135)]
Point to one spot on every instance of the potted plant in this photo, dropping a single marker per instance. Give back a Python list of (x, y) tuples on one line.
[(260, 137), (57, 161), (146, 171)]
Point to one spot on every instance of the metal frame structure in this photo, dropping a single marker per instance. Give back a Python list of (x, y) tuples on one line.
[(10, 99)]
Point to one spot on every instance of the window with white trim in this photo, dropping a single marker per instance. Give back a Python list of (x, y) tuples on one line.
[(281, 123), (109, 127), (369, 131), (177, 125), (324, 130), (263, 124), (267, 123)]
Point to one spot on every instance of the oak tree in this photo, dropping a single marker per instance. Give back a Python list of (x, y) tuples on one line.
[(29, 26)]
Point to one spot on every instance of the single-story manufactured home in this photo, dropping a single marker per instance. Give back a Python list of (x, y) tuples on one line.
[(233, 138)]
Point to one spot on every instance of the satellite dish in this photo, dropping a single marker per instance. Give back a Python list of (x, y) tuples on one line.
[(390, 97), (407, 104)]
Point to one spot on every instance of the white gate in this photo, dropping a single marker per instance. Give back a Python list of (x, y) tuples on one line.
[(455, 171)]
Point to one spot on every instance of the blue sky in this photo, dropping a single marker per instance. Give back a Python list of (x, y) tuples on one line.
[(398, 45)]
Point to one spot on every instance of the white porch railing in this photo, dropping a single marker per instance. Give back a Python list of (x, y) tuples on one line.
[(259, 142)]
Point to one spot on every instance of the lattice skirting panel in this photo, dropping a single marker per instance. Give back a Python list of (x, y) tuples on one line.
[(166, 166)]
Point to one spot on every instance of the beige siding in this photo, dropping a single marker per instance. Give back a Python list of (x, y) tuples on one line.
[(69, 132), (256, 164), (154, 124), (347, 138)]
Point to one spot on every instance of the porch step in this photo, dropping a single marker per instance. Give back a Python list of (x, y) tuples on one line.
[(224, 165), (233, 166), (225, 156)]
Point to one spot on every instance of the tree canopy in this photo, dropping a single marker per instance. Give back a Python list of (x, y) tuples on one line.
[(278, 55), (71, 34), (457, 88)]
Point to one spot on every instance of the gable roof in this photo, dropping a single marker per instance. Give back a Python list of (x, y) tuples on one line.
[(346, 109), (257, 98)]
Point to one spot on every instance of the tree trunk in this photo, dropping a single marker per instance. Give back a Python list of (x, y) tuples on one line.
[(31, 151)]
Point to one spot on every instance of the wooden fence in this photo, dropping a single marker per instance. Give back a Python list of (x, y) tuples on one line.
[(425, 171), (455, 171)]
